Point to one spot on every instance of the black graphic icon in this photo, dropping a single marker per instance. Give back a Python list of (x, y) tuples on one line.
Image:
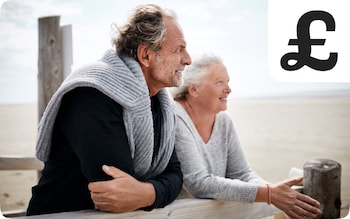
[(304, 44)]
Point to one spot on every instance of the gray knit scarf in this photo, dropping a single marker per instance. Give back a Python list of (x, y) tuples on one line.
[(122, 80)]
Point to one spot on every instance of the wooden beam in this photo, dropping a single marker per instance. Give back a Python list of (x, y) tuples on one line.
[(20, 163), (67, 49)]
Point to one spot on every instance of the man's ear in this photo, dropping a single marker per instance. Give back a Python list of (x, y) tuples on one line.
[(144, 55)]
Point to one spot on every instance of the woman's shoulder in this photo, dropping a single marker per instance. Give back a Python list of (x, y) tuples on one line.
[(225, 121), (180, 111), (224, 116), (178, 108)]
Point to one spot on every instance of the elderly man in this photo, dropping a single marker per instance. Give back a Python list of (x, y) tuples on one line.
[(107, 135)]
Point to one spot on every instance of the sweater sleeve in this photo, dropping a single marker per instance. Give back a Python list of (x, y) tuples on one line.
[(93, 124), (198, 180), (168, 184)]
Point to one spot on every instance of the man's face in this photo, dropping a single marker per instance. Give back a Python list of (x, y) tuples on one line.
[(172, 58)]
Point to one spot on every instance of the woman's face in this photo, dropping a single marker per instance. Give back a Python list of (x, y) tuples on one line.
[(214, 89)]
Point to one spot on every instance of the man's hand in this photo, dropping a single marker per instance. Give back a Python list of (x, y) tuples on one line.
[(122, 194)]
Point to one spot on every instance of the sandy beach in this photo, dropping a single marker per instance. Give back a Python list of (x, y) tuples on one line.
[(276, 134)]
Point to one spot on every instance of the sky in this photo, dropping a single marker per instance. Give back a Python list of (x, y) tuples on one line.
[(235, 30)]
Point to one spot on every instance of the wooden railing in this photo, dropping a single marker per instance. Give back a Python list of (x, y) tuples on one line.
[(180, 208), (19, 163)]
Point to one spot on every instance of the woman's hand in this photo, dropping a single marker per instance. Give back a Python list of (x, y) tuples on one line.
[(293, 203)]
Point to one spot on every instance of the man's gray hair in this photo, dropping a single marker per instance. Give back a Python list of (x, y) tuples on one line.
[(145, 26)]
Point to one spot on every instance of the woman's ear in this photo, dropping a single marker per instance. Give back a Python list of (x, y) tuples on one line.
[(144, 55), (193, 90)]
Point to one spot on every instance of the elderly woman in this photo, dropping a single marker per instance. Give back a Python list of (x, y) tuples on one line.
[(211, 157)]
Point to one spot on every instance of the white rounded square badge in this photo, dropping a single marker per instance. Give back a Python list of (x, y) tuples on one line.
[(309, 41)]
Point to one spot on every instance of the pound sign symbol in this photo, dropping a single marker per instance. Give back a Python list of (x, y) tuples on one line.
[(304, 43)]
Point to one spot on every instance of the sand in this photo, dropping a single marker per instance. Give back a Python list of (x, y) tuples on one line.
[(276, 134)]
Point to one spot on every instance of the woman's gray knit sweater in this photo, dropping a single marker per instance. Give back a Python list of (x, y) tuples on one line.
[(217, 169), (122, 80)]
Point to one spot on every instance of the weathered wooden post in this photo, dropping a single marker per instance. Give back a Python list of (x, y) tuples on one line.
[(55, 58), (322, 180), (67, 49), (50, 73)]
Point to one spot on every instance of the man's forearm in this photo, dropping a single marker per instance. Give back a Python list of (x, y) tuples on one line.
[(147, 194), (122, 194)]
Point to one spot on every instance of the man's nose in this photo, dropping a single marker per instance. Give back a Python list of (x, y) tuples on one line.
[(186, 58)]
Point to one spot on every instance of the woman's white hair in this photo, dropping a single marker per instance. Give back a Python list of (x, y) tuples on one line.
[(194, 73)]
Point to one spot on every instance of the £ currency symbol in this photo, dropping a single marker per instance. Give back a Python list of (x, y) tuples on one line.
[(304, 44)]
